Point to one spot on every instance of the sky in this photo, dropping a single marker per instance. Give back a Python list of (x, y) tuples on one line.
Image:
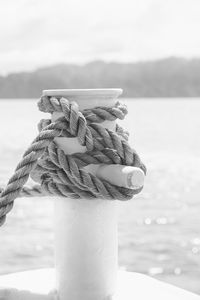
[(37, 33)]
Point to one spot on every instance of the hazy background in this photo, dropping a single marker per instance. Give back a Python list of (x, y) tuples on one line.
[(38, 33), (148, 47), (151, 49)]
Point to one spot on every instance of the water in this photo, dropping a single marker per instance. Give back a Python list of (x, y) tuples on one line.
[(159, 230)]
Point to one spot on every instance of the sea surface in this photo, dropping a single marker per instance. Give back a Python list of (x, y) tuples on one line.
[(159, 230)]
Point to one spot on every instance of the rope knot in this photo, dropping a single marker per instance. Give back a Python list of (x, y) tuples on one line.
[(63, 174)]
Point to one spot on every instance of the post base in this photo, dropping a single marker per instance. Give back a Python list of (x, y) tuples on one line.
[(40, 285)]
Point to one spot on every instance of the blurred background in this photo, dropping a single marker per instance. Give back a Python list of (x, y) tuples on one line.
[(151, 49)]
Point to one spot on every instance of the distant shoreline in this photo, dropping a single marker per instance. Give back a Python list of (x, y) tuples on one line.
[(165, 78)]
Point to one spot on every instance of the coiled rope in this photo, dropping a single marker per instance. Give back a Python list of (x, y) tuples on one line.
[(59, 174)]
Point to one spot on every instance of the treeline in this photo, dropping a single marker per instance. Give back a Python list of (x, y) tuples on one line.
[(171, 77)]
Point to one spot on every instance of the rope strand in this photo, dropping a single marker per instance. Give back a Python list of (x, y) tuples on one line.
[(59, 174)]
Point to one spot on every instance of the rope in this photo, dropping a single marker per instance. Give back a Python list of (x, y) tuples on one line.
[(59, 174)]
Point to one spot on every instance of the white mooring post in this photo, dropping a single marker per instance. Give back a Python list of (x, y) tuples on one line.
[(86, 238), (85, 230)]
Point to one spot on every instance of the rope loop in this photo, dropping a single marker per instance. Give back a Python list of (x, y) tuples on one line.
[(57, 173)]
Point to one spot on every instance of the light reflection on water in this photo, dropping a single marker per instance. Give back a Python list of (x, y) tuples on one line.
[(159, 230)]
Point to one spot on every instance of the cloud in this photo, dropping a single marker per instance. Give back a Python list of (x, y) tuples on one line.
[(36, 33)]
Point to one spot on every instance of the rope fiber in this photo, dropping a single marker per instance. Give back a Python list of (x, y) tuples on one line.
[(63, 175)]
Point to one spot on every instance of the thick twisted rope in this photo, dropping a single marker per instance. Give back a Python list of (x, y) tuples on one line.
[(59, 174)]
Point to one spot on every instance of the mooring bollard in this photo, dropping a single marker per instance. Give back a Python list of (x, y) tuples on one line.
[(85, 230), (86, 246)]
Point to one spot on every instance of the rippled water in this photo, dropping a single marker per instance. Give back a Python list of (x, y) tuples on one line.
[(159, 230)]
